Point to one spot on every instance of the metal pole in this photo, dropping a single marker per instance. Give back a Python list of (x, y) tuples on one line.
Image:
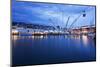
[(67, 21)]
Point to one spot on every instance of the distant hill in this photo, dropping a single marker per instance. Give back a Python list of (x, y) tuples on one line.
[(31, 25)]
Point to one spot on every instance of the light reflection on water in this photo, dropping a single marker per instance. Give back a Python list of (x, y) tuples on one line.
[(52, 49), (85, 40), (84, 37)]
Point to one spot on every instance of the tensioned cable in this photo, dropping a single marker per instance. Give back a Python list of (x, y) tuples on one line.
[(78, 17)]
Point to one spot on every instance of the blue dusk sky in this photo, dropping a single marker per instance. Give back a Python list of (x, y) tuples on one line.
[(52, 14)]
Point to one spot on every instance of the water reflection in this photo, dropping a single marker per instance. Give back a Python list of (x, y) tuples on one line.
[(52, 49), (73, 36), (39, 37), (79, 39), (15, 37), (85, 40)]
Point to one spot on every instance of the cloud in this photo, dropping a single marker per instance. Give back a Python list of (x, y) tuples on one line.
[(54, 14)]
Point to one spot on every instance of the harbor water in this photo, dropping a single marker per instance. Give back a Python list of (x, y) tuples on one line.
[(51, 49)]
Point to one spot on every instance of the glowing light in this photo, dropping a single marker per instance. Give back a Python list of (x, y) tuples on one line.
[(15, 37), (14, 31), (85, 39), (85, 31)]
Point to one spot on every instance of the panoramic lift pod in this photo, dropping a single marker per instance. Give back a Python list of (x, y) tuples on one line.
[(84, 14)]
